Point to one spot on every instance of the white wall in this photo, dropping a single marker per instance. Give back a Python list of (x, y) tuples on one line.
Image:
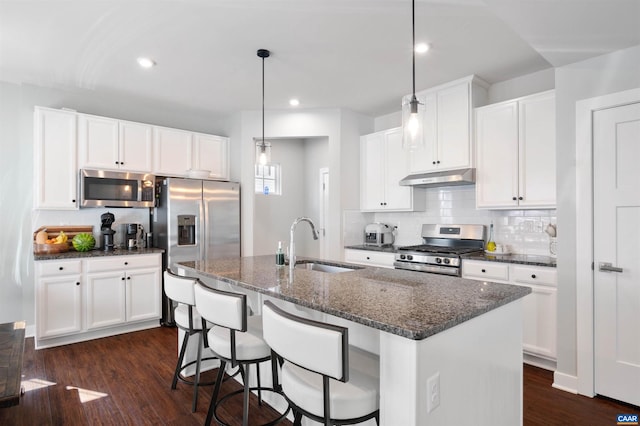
[(522, 86), (603, 75), (16, 175)]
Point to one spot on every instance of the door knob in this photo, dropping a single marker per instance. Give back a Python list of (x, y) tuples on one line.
[(606, 267)]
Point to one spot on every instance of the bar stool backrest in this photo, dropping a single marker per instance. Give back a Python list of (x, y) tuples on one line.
[(316, 346), (179, 289), (222, 308)]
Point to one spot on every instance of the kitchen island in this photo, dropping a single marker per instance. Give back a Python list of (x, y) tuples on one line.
[(440, 340)]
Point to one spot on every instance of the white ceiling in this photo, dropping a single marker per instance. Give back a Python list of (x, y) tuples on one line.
[(352, 54)]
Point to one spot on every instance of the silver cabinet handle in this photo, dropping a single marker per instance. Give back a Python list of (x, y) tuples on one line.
[(606, 267)]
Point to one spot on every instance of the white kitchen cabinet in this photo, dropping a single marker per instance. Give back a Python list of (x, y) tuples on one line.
[(448, 126), (515, 142), (172, 151), (122, 293), (383, 163), (211, 153), (369, 258), (58, 298), (55, 169), (106, 143), (539, 307)]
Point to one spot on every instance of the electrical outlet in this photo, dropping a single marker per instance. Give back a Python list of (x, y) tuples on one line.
[(433, 392)]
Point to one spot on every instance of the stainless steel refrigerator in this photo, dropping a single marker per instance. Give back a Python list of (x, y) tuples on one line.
[(194, 220)]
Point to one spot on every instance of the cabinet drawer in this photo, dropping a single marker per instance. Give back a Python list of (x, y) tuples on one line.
[(534, 275), (118, 263), (373, 258), (58, 267), (485, 270)]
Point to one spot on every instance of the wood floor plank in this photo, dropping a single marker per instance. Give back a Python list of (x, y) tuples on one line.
[(134, 370)]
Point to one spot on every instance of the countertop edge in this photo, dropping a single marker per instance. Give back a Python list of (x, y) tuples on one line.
[(94, 253)]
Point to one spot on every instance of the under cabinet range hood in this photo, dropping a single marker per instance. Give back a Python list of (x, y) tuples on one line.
[(438, 179)]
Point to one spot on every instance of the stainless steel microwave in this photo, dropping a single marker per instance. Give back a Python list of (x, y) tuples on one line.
[(101, 188)]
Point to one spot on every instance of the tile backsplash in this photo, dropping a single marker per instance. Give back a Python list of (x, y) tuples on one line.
[(522, 230)]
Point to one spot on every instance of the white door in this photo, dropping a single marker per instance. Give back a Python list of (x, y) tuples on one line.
[(616, 151)]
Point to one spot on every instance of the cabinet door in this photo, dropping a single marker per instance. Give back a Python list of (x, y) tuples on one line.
[(425, 159), (397, 167), (98, 142), (143, 294), (58, 306), (497, 156), (537, 151), (56, 170), (372, 176), (212, 153), (539, 321), (171, 151), (105, 299), (136, 141), (454, 139)]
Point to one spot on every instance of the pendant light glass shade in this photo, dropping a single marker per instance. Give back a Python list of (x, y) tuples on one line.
[(263, 153), (412, 123), (263, 149), (412, 110)]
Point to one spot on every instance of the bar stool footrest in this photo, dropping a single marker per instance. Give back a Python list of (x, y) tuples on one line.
[(241, 391)]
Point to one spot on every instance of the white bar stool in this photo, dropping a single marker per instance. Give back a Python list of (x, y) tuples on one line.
[(235, 338), (180, 290), (315, 376)]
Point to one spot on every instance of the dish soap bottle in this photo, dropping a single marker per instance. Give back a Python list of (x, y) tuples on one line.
[(491, 245), (280, 255)]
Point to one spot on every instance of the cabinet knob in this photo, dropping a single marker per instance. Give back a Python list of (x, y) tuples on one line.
[(514, 198), (438, 162), (122, 278), (126, 263), (368, 258), (128, 278), (73, 201), (61, 268), (484, 270), (78, 283), (520, 198), (117, 162), (434, 162), (533, 276)]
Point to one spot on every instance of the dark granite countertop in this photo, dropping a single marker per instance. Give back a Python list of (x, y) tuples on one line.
[(410, 304), (72, 254), (385, 249), (523, 259)]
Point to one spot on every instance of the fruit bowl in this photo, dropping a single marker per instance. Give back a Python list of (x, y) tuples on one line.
[(50, 248)]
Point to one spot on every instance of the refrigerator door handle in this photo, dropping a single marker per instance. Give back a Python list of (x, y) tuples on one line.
[(202, 234)]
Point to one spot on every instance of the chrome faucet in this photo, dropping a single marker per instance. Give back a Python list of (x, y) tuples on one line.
[(292, 251)]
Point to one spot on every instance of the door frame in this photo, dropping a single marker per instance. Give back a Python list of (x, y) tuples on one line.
[(585, 110)]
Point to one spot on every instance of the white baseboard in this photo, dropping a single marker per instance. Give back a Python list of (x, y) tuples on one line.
[(539, 362), (565, 382), (30, 331)]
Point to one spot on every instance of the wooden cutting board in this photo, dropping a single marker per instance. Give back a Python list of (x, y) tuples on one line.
[(71, 231)]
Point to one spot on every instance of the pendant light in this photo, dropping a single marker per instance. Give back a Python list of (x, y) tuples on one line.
[(263, 149), (412, 109)]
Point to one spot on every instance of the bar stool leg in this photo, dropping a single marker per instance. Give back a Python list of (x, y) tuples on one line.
[(194, 405), (245, 408), (216, 392), (180, 359), (259, 386)]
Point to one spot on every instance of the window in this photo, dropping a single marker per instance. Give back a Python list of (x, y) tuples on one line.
[(267, 179)]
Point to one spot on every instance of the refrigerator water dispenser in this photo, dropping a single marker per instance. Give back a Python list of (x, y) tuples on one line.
[(186, 230)]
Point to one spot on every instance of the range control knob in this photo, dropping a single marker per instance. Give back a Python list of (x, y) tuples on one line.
[(447, 261), (409, 257), (402, 256), (438, 260)]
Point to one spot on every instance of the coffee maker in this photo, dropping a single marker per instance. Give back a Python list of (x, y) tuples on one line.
[(132, 234), (107, 233)]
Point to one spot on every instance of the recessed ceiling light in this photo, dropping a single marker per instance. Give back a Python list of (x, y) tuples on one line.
[(422, 47), (294, 102), (146, 62)]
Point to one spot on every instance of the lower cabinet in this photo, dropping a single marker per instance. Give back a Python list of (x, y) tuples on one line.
[(77, 299), (539, 316), (369, 258)]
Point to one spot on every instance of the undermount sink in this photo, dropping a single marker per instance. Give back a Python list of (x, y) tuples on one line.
[(324, 267)]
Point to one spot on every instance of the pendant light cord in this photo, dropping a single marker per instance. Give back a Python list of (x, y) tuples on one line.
[(413, 43), (263, 145)]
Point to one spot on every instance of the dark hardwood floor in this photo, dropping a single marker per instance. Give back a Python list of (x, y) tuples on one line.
[(126, 380)]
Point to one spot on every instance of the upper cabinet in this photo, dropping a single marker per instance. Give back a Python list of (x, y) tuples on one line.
[(105, 143), (516, 160), (383, 163), (211, 153), (177, 151), (55, 169), (448, 126)]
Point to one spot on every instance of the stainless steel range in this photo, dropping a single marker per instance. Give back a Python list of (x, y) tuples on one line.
[(441, 249)]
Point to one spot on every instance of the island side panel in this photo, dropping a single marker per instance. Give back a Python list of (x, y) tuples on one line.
[(480, 368)]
